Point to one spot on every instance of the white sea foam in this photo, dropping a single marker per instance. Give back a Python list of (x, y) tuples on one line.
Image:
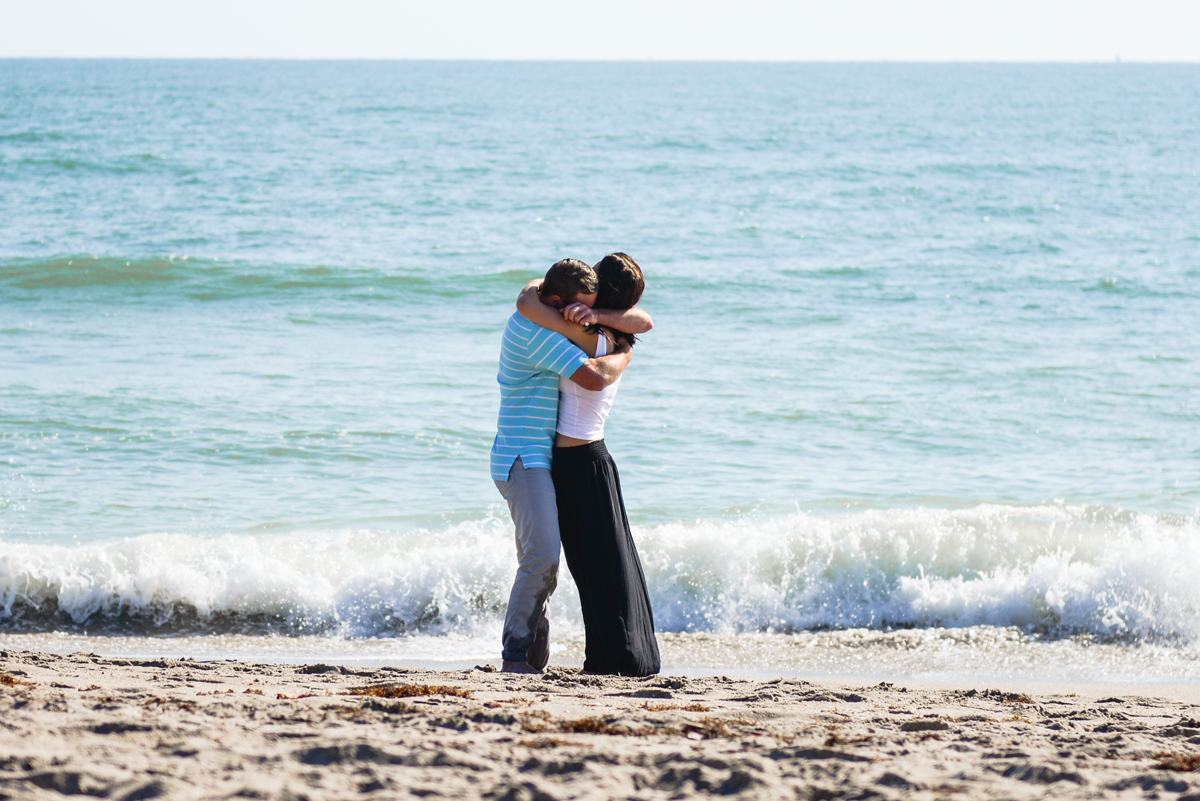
[(1052, 570), (1055, 569), (345, 582)]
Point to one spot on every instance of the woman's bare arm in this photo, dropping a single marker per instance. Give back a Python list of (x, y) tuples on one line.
[(631, 321)]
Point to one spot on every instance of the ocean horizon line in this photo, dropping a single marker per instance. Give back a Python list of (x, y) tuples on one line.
[(453, 60)]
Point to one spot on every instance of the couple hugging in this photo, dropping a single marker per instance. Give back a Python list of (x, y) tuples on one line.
[(561, 359)]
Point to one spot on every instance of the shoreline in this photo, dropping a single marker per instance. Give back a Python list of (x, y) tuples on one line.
[(136, 729), (938, 658)]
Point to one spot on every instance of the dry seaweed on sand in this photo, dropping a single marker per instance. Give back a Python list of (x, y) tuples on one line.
[(710, 728), (539, 721), (12, 681), (601, 726), (552, 742), (649, 707), (1020, 699), (1183, 763), (407, 690)]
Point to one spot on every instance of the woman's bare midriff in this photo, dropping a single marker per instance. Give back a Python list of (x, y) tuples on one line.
[(563, 441)]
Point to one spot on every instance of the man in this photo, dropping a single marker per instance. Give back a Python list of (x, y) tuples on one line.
[(531, 360)]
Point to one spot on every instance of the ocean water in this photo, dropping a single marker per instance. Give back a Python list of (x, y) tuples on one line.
[(922, 398)]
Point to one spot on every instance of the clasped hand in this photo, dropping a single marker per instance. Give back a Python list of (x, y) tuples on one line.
[(579, 313)]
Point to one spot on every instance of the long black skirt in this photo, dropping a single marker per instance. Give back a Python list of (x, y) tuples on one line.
[(604, 562)]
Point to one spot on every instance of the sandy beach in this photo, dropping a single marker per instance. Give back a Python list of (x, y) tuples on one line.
[(135, 729)]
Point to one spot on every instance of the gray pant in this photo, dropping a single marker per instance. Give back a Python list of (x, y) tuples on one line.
[(530, 496)]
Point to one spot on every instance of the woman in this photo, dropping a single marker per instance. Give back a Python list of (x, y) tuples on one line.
[(600, 552)]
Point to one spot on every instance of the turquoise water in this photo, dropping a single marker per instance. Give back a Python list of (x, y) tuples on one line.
[(924, 355)]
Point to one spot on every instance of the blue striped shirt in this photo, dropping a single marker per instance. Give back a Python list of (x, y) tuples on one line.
[(531, 360)]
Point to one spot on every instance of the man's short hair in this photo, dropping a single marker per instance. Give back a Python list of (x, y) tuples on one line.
[(621, 282), (568, 278)]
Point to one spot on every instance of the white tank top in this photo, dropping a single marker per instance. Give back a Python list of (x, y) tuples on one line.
[(582, 412)]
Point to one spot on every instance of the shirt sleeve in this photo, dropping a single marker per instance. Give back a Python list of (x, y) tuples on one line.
[(549, 350)]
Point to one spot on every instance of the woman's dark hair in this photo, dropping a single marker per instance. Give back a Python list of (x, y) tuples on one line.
[(621, 286)]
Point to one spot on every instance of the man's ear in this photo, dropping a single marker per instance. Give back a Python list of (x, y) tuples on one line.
[(552, 300)]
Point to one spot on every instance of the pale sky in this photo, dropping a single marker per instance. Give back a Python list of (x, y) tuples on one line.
[(707, 30)]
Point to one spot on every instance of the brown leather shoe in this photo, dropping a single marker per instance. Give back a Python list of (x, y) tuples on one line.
[(517, 667)]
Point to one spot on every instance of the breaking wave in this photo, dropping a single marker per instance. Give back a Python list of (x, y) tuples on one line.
[(1051, 570)]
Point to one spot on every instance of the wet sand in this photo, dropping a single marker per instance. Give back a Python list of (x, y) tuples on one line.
[(138, 729)]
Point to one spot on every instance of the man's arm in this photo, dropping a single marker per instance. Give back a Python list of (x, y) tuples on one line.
[(530, 306), (631, 321), (597, 373)]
